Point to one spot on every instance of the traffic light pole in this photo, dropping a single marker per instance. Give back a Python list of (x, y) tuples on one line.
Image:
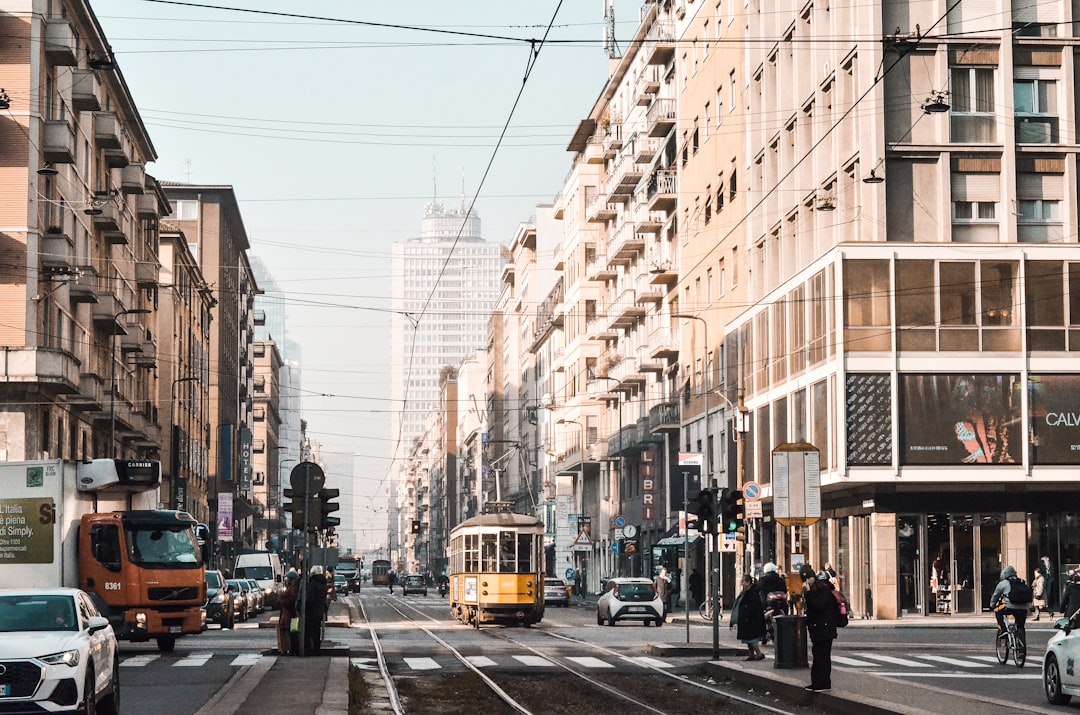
[(686, 546)]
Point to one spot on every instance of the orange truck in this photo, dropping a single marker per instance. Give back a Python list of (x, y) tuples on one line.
[(95, 525)]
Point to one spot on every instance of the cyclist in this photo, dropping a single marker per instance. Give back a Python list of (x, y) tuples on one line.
[(1004, 606)]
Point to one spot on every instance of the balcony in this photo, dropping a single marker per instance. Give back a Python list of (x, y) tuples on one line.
[(660, 118), (56, 370), (664, 417), (660, 43), (663, 344), (91, 395), (663, 191), (625, 244), (133, 179), (560, 257), (107, 133), (649, 82), (146, 206), (109, 219), (599, 210), (625, 311), (647, 291), (84, 289), (623, 178), (594, 151), (57, 251), (146, 273), (105, 312), (663, 272), (647, 363), (611, 136), (58, 142), (598, 269), (131, 341), (84, 91), (60, 43), (645, 148), (649, 222), (597, 328)]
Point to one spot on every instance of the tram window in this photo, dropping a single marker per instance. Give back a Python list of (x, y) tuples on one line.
[(490, 553), (472, 553), (524, 564), (507, 560)]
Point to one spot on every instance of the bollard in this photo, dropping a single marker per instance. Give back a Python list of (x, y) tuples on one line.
[(790, 642)]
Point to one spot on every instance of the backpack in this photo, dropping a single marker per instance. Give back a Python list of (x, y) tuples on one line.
[(841, 608), (1019, 591)]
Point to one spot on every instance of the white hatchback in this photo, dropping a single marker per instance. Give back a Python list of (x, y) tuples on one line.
[(629, 599), (57, 652), (1061, 682)]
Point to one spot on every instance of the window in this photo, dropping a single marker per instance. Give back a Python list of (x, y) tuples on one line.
[(1035, 102), (719, 106), (975, 198), (972, 99), (708, 122), (185, 210), (731, 90), (1039, 221)]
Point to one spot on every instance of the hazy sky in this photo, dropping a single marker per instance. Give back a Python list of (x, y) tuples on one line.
[(334, 132)]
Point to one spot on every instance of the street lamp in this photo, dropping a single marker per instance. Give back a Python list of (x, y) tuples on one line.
[(618, 459), (112, 371)]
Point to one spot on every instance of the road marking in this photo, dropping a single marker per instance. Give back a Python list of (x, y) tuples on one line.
[(194, 660), (987, 658), (363, 663), (587, 661), (894, 661), (855, 663), (139, 661), (648, 661), (953, 661), (422, 663), (240, 626), (533, 660), (246, 659), (972, 676), (480, 661)]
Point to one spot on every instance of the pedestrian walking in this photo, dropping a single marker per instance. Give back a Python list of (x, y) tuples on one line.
[(697, 587), (1038, 593), (1070, 596), (391, 579), (314, 611), (288, 640), (822, 613), (662, 585), (748, 614)]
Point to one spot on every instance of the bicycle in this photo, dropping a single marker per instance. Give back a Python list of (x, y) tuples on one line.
[(1010, 641), (705, 610)]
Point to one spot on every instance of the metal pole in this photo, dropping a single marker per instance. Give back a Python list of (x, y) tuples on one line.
[(686, 546)]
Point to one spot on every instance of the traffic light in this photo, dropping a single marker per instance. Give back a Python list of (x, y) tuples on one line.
[(325, 507), (415, 527), (296, 506), (733, 515), (706, 511)]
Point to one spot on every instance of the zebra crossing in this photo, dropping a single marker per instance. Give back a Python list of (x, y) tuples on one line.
[(931, 665), (518, 661), (191, 660)]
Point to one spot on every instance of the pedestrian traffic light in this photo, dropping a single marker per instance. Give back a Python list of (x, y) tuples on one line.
[(296, 507), (415, 526), (326, 507), (733, 515), (706, 511)]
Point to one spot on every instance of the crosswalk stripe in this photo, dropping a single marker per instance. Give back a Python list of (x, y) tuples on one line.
[(842, 660), (533, 660), (139, 661), (480, 661), (987, 658), (422, 663), (648, 661), (588, 661), (895, 661), (246, 659), (194, 660), (953, 661)]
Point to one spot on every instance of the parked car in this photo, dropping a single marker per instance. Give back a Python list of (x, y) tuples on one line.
[(1061, 680), (629, 599), (258, 596), (57, 651), (341, 583), (219, 600), (556, 592), (242, 598), (414, 583)]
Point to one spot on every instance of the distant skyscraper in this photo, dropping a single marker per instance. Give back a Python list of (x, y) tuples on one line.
[(444, 285)]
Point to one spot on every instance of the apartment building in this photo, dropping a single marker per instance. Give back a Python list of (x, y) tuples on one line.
[(266, 482), (79, 257)]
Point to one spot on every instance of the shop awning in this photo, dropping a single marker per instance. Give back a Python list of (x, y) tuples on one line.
[(677, 540)]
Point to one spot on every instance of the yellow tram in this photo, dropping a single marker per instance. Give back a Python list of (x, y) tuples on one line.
[(496, 569), (380, 572)]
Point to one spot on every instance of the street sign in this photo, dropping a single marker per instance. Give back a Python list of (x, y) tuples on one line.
[(620, 522), (753, 510), (570, 574), (307, 477), (728, 544), (751, 491), (796, 484)]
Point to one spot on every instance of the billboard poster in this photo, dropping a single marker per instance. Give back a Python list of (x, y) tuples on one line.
[(27, 530), (225, 517), (1054, 420), (869, 419), (960, 419)]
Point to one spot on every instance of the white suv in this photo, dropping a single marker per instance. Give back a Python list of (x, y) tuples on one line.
[(59, 653), (629, 599)]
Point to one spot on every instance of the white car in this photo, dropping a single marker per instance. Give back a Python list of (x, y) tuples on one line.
[(1061, 680), (57, 653), (629, 599)]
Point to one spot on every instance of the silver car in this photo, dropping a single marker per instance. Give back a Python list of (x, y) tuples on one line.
[(259, 597), (556, 592)]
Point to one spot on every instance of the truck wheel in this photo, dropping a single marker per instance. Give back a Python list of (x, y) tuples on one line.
[(110, 702), (165, 644)]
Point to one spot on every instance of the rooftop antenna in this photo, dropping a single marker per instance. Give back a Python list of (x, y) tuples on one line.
[(434, 187), (462, 188), (610, 46)]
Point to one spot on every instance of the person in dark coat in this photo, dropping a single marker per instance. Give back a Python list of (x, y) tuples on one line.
[(697, 587), (1070, 597), (288, 642), (748, 615), (314, 610), (822, 613)]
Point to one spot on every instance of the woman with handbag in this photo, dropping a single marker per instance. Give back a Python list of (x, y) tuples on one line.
[(288, 637)]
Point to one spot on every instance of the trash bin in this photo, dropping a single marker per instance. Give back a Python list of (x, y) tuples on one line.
[(790, 642)]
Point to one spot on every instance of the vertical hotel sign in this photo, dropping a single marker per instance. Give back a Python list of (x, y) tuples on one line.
[(245, 458), (648, 485), (225, 517)]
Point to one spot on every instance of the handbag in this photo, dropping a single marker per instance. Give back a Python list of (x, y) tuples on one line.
[(294, 625)]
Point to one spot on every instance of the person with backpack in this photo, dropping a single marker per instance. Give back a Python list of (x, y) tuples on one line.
[(1012, 597), (822, 611)]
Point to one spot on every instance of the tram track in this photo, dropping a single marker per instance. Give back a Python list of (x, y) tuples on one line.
[(662, 692)]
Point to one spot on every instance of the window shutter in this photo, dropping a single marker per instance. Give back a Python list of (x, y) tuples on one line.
[(976, 187), (1040, 186)]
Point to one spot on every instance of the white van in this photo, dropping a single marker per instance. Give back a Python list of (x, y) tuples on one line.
[(265, 568)]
